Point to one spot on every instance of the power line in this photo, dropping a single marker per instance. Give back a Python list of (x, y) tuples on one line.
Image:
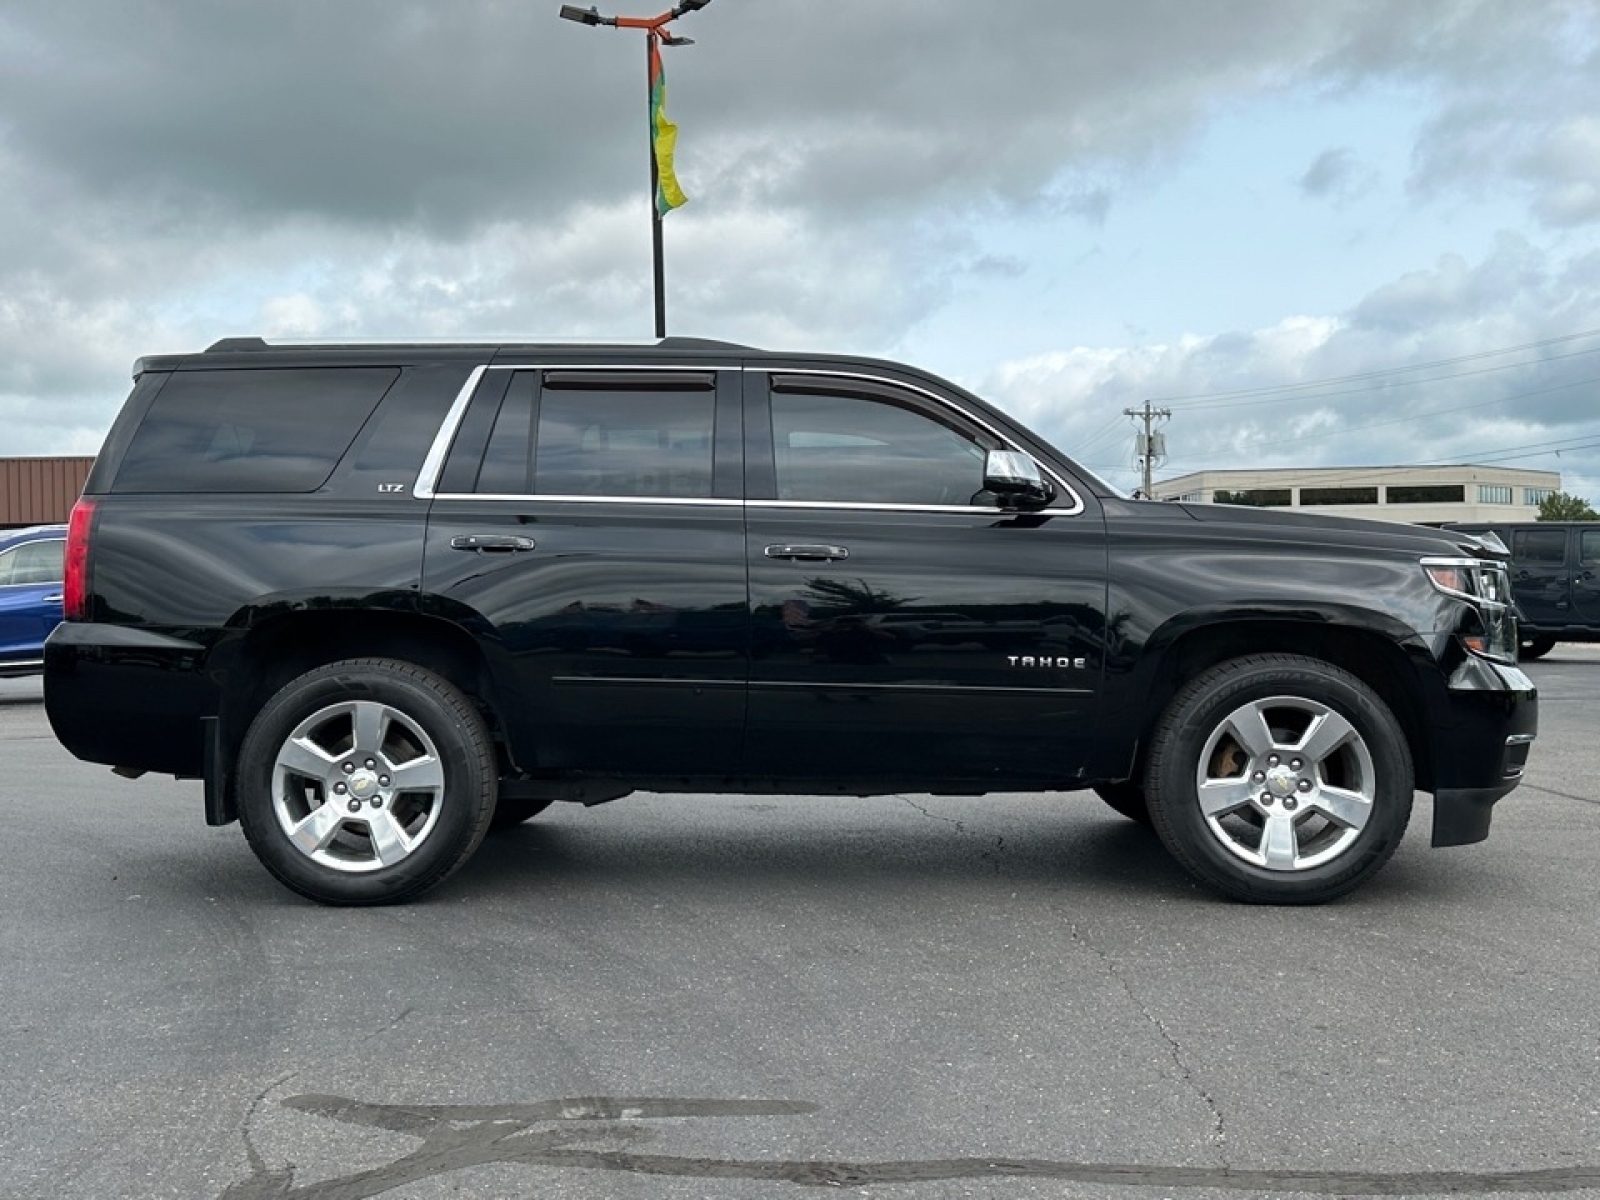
[(1435, 412), (1387, 371), (1367, 391)]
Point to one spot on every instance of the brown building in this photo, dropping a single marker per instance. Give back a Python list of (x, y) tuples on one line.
[(40, 491)]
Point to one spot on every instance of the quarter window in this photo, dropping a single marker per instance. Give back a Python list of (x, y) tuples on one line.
[(858, 449), (266, 430)]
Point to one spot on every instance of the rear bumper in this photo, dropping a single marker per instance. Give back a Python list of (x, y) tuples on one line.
[(128, 697), (1480, 748)]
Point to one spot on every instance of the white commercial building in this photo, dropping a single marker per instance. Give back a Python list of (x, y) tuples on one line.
[(1420, 495)]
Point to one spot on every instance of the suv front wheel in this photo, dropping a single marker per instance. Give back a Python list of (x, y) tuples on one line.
[(1279, 779), (366, 782)]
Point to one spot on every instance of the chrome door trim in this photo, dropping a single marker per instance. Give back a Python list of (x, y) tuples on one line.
[(433, 462)]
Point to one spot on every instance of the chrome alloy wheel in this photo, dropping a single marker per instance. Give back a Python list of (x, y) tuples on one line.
[(357, 786), (1286, 783)]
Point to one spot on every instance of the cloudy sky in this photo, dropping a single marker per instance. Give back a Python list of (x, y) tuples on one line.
[(1322, 232)]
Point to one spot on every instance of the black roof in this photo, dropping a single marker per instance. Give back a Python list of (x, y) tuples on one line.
[(247, 352)]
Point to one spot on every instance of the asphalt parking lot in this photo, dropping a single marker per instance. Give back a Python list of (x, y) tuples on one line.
[(1008, 997)]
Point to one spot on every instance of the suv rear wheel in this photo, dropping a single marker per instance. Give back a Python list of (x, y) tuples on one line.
[(1279, 779), (366, 782)]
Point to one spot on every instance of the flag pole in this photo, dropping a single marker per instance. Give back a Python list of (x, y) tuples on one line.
[(655, 37), (652, 55)]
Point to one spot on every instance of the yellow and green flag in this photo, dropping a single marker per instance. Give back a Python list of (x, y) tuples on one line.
[(663, 138)]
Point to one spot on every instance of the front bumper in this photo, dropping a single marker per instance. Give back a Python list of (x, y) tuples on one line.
[(1481, 746)]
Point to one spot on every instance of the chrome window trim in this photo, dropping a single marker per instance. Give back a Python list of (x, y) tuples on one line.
[(433, 463), (868, 506), (722, 502), (653, 368), (715, 501)]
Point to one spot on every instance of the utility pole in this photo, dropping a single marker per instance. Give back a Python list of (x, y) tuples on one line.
[(1149, 447)]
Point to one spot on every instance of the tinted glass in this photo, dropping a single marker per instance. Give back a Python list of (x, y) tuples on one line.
[(250, 431), (394, 442), (1256, 497), (1339, 495), (1589, 548), (1442, 493), (857, 449), (596, 441), (1547, 546), (32, 562), (506, 459)]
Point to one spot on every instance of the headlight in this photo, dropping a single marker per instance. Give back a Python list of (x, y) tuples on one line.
[(1485, 586)]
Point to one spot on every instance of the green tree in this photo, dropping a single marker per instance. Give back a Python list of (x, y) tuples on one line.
[(1559, 506)]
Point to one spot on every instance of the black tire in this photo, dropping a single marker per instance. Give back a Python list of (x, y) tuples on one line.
[(1306, 777), (1530, 648), (364, 761), (511, 811), (1127, 798)]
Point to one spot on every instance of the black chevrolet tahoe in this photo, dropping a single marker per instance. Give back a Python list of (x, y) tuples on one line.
[(384, 599)]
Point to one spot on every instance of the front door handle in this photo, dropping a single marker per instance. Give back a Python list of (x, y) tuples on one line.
[(491, 543), (808, 553)]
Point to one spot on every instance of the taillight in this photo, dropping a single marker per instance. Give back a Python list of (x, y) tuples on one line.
[(75, 588)]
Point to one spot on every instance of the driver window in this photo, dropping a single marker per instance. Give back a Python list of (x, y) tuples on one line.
[(866, 450)]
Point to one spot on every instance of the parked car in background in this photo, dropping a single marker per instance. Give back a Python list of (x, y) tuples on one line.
[(30, 595), (1555, 580)]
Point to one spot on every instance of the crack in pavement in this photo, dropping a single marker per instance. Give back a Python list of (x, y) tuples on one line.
[(991, 856), (960, 828), (1174, 1048), (1548, 791)]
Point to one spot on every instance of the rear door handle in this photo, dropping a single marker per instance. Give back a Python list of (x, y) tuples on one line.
[(808, 553), (491, 543), (55, 599)]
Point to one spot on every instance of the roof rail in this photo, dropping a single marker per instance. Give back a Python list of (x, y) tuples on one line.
[(230, 345)]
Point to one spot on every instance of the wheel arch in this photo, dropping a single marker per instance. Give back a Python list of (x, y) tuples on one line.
[(1373, 656), (253, 667)]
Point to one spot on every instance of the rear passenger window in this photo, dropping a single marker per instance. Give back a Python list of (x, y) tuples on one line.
[(1545, 546), (609, 437), (250, 431)]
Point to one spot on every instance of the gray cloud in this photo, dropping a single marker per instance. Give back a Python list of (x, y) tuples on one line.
[(176, 171)]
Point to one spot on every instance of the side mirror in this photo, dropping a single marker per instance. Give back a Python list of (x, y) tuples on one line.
[(1014, 476)]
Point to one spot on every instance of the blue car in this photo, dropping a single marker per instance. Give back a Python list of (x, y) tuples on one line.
[(30, 595)]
